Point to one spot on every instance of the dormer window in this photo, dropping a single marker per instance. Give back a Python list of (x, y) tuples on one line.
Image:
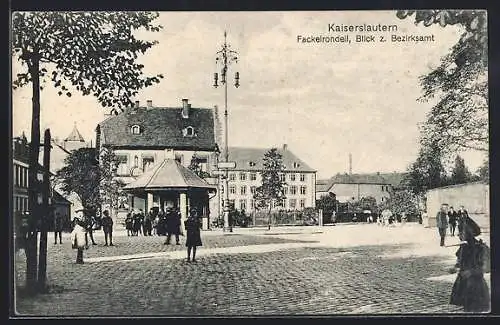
[(296, 165), (251, 164), (135, 129), (188, 132)]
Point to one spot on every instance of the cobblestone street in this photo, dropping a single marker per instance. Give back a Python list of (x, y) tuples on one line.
[(347, 269)]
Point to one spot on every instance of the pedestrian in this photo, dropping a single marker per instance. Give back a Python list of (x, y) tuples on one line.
[(193, 237), (154, 224), (470, 289), (462, 214), (137, 223), (58, 227), (173, 226), (387, 217), (129, 224), (79, 238), (420, 218), (404, 218), (148, 223), (89, 223), (442, 222), (161, 227), (452, 220), (425, 217), (107, 226)]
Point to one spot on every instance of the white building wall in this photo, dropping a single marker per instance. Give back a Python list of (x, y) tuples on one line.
[(475, 197), (309, 183), (357, 191)]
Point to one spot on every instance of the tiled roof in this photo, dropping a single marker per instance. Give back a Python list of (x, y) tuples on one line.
[(170, 174), (161, 127), (323, 185), (358, 179), (252, 159), (393, 179), (75, 136)]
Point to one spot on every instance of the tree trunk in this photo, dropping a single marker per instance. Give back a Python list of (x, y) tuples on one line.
[(42, 258), (269, 216), (31, 246)]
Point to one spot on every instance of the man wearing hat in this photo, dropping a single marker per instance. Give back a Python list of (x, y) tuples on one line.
[(173, 226), (442, 222), (470, 290)]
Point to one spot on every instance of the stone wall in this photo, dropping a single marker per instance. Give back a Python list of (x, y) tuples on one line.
[(475, 197)]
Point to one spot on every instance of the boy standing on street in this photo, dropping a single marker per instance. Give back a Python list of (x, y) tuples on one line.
[(107, 226)]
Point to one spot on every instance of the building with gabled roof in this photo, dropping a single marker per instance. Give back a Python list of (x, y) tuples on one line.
[(353, 187)]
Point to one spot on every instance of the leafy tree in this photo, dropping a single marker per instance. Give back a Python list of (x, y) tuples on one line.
[(484, 171), (95, 52), (460, 173), (271, 191), (459, 120), (327, 203), (427, 171), (195, 166), (404, 201), (111, 192), (83, 176)]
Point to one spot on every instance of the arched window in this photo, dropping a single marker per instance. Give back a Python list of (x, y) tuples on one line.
[(136, 129), (189, 131)]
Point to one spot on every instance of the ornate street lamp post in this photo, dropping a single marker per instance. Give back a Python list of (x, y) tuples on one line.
[(225, 57)]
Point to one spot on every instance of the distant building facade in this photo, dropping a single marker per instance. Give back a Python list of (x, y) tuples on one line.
[(300, 179), (354, 187), (20, 155), (20, 164)]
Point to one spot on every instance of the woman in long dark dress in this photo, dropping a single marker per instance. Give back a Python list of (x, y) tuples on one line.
[(470, 290), (193, 236)]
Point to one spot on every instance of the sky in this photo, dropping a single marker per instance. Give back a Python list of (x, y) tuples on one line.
[(324, 100)]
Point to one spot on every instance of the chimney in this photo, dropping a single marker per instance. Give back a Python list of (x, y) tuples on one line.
[(285, 147), (136, 104), (149, 103), (350, 163), (185, 108)]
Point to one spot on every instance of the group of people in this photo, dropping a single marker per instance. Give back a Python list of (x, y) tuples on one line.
[(137, 223), (387, 218), (170, 221), (83, 229), (448, 218)]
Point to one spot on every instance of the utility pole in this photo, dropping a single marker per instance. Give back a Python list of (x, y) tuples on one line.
[(45, 211), (225, 57)]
